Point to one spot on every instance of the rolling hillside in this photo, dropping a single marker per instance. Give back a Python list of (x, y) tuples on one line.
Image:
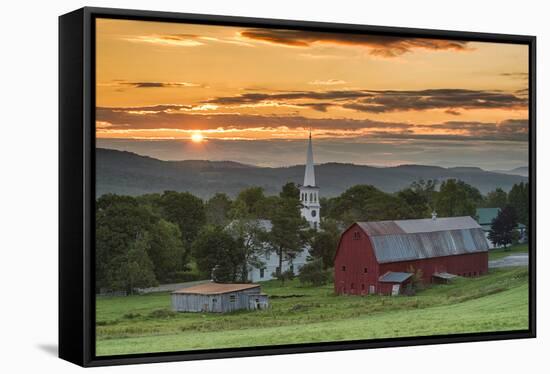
[(131, 174)]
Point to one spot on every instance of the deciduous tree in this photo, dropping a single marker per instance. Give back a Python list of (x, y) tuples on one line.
[(504, 227)]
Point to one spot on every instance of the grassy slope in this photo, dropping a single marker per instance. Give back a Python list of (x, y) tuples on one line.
[(305, 314)]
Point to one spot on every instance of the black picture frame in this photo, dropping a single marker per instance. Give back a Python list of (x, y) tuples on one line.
[(77, 185)]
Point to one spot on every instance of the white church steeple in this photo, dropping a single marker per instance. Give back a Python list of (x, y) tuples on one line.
[(309, 177), (309, 192)]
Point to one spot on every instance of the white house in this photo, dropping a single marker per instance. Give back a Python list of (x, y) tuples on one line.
[(311, 211)]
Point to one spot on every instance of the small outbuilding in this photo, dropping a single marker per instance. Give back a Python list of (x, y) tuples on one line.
[(394, 282), (219, 298)]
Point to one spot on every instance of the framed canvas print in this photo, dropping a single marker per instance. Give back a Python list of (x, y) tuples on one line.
[(236, 186)]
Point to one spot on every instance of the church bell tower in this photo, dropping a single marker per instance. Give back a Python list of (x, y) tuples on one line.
[(309, 191)]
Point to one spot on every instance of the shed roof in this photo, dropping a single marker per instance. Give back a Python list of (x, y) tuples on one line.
[(395, 277), (443, 275), (406, 240), (216, 288)]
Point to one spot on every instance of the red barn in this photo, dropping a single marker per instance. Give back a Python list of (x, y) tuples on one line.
[(377, 257)]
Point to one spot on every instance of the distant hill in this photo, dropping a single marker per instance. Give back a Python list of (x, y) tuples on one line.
[(522, 170), (131, 174)]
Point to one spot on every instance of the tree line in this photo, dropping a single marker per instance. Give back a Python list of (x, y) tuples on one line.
[(175, 236)]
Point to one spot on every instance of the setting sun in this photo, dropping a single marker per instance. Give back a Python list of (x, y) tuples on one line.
[(197, 137)]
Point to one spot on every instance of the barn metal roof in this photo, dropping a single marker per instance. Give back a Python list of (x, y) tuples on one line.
[(394, 277), (411, 226), (216, 288), (405, 240)]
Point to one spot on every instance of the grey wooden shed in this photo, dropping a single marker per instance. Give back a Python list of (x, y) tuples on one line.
[(219, 298)]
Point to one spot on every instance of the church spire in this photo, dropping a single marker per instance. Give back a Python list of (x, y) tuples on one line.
[(309, 177)]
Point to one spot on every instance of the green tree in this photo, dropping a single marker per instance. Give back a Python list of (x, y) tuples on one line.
[(166, 250), (518, 198), (120, 220), (455, 199), (325, 242), (496, 199), (419, 196), (132, 269), (253, 198), (314, 273), (367, 203), (218, 254), (504, 227), (217, 209), (289, 233), (186, 211), (250, 235), (472, 193), (290, 191)]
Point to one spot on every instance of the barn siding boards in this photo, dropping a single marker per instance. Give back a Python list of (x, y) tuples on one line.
[(355, 255), (219, 298), (368, 250)]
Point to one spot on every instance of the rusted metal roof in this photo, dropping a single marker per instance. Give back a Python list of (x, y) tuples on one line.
[(406, 240), (216, 288), (395, 277)]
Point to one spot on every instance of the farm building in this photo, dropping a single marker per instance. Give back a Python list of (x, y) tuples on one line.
[(380, 257), (219, 298)]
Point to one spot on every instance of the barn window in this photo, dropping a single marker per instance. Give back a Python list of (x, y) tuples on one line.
[(214, 300), (365, 270), (232, 298), (262, 273), (356, 235), (363, 287), (344, 268)]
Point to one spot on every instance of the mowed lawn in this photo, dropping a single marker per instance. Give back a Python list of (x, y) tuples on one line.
[(140, 324)]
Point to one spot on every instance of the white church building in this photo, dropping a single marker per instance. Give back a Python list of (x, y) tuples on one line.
[(311, 209)]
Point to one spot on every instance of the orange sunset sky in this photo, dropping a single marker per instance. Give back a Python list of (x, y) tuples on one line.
[(181, 91)]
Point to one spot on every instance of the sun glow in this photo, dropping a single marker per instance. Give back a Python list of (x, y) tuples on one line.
[(197, 137)]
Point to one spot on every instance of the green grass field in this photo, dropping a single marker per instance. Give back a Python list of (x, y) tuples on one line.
[(139, 324), (496, 254)]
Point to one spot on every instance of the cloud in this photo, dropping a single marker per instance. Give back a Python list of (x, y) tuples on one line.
[(392, 101), (184, 119), (383, 101), (183, 40), (515, 75), (379, 45), (121, 85), (178, 40), (159, 84), (328, 82)]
